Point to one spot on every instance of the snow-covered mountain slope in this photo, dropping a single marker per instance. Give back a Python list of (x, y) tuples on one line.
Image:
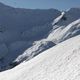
[(56, 35), (62, 62), (58, 18), (22, 37), (38, 47), (18, 30), (64, 32), (67, 25)]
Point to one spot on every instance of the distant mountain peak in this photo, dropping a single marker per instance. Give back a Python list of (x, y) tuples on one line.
[(73, 10), (2, 5)]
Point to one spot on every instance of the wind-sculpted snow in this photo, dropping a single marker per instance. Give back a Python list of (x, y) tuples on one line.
[(61, 62)]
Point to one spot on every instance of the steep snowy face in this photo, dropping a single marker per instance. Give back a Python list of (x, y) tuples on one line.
[(65, 26), (37, 48), (57, 34), (62, 33), (61, 62)]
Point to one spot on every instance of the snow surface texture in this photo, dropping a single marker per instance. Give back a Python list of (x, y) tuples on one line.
[(61, 62)]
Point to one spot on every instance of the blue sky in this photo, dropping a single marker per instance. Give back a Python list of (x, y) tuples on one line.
[(43, 4)]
